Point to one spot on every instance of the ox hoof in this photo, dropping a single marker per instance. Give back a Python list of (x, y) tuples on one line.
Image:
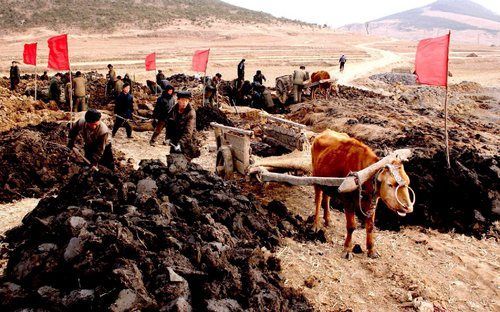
[(373, 254), (347, 255), (316, 227)]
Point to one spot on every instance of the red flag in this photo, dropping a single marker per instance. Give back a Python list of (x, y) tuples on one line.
[(431, 62), (29, 54), (200, 60), (151, 61), (58, 52)]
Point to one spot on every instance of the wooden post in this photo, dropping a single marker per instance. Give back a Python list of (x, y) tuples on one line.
[(204, 87), (446, 127), (71, 95)]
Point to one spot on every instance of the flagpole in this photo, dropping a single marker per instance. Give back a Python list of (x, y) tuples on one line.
[(71, 95), (156, 88), (446, 127), (35, 82)]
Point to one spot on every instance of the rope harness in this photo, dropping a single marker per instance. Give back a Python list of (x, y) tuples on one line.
[(393, 170)]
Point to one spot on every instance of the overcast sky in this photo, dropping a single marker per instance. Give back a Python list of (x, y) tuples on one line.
[(340, 12)]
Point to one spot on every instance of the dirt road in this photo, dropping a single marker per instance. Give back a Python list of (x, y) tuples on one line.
[(379, 59)]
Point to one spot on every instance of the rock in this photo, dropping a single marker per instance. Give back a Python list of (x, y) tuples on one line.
[(178, 305), (50, 294), (177, 163), (46, 247), (146, 188), (12, 294), (79, 298), (74, 248), (174, 277), (223, 305), (77, 223), (126, 301)]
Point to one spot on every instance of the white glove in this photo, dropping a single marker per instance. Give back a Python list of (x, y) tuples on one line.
[(177, 148)]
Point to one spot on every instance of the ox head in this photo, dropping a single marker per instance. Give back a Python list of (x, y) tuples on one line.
[(393, 187)]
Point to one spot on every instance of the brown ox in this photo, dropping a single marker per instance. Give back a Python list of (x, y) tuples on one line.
[(322, 88), (336, 155)]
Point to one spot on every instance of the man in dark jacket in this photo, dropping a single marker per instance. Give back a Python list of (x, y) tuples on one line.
[(95, 135), (160, 77), (124, 106), (342, 61), (164, 104), (259, 77), (241, 70), (181, 125), (15, 76)]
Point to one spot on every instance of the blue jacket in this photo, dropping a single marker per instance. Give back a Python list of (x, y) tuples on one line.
[(124, 105)]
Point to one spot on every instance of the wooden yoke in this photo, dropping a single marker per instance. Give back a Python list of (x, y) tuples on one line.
[(364, 175)]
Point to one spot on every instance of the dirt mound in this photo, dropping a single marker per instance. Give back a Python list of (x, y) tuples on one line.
[(19, 110), (466, 87), (183, 81), (166, 238), (34, 161), (206, 114), (472, 55), (396, 78)]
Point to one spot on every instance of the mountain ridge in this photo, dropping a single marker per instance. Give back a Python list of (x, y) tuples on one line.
[(108, 16)]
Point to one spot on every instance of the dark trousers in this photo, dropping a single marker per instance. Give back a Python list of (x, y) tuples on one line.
[(159, 127), (342, 66), (119, 122), (13, 84), (107, 159)]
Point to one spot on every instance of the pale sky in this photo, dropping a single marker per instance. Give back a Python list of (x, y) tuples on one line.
[(337, 13)]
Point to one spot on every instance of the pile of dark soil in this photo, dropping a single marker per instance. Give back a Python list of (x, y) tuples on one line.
[(164, 238), (34, 161), (206, 114), (183, 81)]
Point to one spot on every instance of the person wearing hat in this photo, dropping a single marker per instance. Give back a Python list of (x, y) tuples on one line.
[(15, 76), (124, 107), (164, 104), (300, 76), (181, 124), (95, 135), (111, 79)]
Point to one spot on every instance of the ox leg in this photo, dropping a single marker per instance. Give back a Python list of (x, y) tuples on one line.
[(326, 209), (370, 243), (318, 198), (350, 226)]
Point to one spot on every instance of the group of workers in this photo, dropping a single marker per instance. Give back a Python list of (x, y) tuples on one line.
[(172, 112)]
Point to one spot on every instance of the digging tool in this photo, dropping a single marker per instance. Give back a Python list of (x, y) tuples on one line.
[(78, 153)]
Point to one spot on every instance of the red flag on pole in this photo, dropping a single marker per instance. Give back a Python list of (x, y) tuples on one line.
[(200, 60), (431, 62), (58, 52), (29, 54), (151, 61)]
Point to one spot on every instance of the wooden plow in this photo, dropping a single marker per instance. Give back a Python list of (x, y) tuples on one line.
[(234, 154)]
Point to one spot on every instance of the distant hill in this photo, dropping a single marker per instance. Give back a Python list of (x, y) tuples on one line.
[(102, 16), (465, 18)]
